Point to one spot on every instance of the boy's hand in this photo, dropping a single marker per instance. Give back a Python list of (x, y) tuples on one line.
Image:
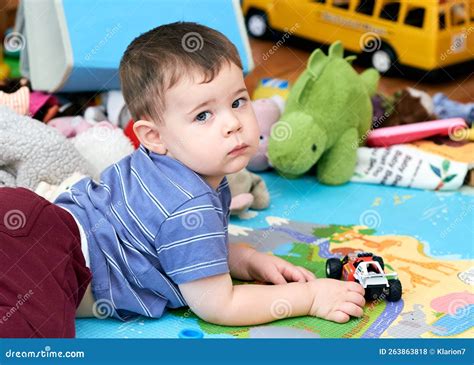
[(336, 300), (268, 268)]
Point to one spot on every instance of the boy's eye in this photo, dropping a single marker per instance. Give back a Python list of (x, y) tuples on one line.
[(202, 117), (238, 103)]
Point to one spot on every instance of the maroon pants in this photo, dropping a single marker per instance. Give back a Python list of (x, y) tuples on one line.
[(43, 275)]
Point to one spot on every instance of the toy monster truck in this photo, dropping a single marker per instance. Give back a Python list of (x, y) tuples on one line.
[(368, 270)]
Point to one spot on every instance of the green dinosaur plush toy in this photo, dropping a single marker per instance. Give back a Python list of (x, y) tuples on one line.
[(327, 116)]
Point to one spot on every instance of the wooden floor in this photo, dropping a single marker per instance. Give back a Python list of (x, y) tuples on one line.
[(287, 62)]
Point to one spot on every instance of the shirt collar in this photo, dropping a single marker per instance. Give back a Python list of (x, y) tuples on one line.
[(179, 165)]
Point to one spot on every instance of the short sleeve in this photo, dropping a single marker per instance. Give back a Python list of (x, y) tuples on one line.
[(191, 243)]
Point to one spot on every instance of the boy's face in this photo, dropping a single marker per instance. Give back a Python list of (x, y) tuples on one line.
[(204, 123)]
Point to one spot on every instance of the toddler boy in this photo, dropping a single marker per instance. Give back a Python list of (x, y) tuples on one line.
[(153, 231)]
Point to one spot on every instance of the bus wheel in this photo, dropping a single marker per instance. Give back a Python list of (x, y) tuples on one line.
[(257, 24), (383, 59)]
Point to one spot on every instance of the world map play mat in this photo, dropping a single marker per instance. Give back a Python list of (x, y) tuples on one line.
[(426, 237)]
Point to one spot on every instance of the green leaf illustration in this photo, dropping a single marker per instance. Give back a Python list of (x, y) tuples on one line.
[(449, 178), (436, 170), (445, 165)]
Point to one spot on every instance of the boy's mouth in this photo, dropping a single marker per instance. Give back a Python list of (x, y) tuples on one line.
[(238, 149)]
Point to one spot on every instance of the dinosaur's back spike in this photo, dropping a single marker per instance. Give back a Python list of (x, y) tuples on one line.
[(316, 63), (350, 58), (336, 49)]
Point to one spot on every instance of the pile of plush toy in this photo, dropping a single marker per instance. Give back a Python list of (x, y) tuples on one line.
[(335, 122)]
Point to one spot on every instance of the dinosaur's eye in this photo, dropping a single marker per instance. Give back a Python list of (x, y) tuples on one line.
[(314, 148)]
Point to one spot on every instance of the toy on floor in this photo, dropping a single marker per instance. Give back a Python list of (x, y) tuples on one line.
[(4, 68), (70, 126), (470, 133), (267, 112), (383, 137), (112, 108), (19, 100), (14, 66), (407, 166), (375, 29), (117, 112), (75, 104), (409, 105), (102, 146), (31, 152), (43, 106), (10, 85), (446, 108), (130, 133), (16, 93), (327, 116), (191, 333), (270, 87), (382, 106), (51, 192), (65, 59), (368, 270), (248, 190), (95, 114)]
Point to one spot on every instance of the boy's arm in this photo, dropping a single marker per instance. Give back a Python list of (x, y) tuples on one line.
[(239, 258), (216, 300), (246, 263)]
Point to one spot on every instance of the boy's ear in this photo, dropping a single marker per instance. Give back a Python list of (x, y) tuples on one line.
[(149, 136)]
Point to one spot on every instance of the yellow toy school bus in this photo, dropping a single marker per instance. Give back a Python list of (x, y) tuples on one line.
[(426, 34)]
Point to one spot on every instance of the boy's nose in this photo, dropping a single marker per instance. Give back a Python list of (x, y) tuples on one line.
[(232, 125)]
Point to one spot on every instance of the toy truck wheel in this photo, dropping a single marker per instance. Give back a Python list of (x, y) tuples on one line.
[(394, 290), (257, 24), (333, 268), (380, 261), (372, 293)]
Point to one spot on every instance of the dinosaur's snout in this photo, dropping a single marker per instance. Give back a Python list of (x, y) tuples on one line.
[(302, 147)]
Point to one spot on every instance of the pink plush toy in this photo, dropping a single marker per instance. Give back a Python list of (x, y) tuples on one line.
[(73, 126), (268, 112), (70, 126)]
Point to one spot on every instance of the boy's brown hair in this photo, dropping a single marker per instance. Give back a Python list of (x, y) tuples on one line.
[(157, 59)]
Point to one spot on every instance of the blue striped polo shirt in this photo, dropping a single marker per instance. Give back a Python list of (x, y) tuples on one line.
[(151, 224)]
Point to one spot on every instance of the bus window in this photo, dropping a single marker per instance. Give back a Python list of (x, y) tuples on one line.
[(366, 7), (442, 20), (390, 11), (320, 1), (458, 14), (415, 17), (343, 4)]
